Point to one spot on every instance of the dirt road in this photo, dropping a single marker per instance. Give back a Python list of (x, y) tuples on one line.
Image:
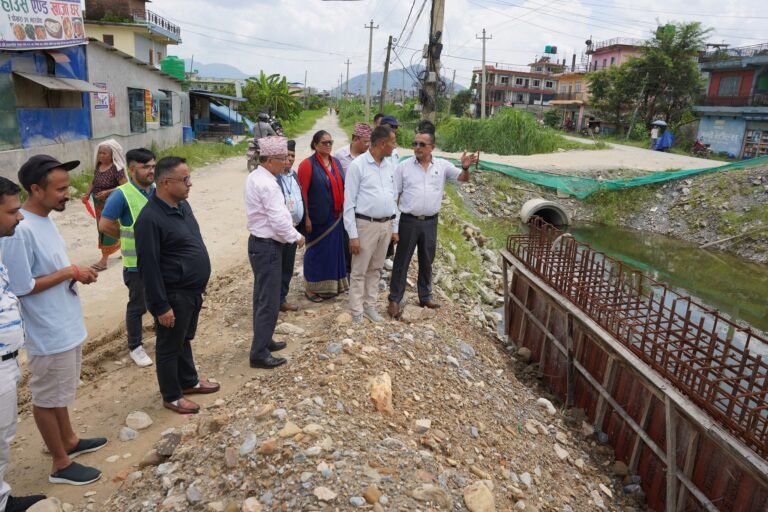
[(113, 385)]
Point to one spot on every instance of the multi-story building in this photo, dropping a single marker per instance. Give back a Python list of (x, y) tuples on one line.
[(508, 87), (612, 52), (131, 28)]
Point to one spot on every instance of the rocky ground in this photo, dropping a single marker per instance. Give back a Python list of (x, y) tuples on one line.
[(730, 208), (431, 413)]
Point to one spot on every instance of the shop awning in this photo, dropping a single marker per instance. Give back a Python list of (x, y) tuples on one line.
[(56, 83)]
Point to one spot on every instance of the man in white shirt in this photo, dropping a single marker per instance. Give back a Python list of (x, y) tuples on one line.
[(361, 140), (271, 227), (11, 341), (369, 212), (420, 182), (45, 282)]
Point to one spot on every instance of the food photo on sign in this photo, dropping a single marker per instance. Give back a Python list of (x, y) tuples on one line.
[(43, 24)]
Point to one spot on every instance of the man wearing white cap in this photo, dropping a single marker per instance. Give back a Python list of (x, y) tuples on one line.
[(271, 227)]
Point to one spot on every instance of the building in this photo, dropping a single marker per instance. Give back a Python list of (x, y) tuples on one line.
[(613, 52), (131, 28), (734, 109), (508, 87), (217, 85)]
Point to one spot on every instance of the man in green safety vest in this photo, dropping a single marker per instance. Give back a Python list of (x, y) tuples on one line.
[(117, 220)]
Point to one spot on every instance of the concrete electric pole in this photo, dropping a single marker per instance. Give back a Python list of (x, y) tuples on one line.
[(346, 92), (483, 84), (450, 97), (434, 48), (368, 81), (386, 75)]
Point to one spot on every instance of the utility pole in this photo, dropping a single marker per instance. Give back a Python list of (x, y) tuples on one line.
[(434, 48), (346, 92), (483, 84), (306, 90), (450, 98), (637, 106), (368, 82), (386, 75)]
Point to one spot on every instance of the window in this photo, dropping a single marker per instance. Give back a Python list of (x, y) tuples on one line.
[(562, 88), (549, 84), (504, 80), (536, 83), (159, 57), (613, 60), (518, 81), (108, 39), (605, 63), (577, 87), (137, 110), (538, 68), (519, 98), (166, 110), (729, 86), (151, 57)]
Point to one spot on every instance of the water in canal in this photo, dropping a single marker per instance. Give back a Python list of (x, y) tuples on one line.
[(729, 284)]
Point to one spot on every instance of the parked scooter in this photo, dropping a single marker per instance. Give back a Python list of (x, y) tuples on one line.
[(700, 149), (252, 155)]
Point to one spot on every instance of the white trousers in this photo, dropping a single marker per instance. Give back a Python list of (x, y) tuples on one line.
[(9, 378), (366, 267)]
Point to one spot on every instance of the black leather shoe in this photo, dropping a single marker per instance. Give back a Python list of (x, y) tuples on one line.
[(268, 363), (21, 503), (276, 345)]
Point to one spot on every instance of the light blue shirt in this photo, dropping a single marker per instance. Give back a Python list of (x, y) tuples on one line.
[(369, 189), (53, 319), (11, 328), (289, 183)]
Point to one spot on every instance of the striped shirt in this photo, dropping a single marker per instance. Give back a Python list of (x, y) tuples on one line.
[(11, 328)]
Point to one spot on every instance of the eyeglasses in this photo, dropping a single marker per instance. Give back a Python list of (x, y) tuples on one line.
[(326, 142), (186, 179), (419, 144)]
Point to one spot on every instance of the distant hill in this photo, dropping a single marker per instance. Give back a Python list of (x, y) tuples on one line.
[(397, 80), (216, 70)]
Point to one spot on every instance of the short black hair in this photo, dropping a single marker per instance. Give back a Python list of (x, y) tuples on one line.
[(316, 138), (425, 126), (8, 188), (428, 133), (380, 133), (167, 165), (292, 145), (378, 116), (139, 155)]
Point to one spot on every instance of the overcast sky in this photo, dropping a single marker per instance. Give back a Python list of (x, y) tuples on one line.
[(291, 36)]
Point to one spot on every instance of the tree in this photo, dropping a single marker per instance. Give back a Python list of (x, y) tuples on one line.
[(271, 94), (460, 103), (614, 91)]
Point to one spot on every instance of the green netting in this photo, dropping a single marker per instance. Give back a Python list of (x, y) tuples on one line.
[(581, 187)]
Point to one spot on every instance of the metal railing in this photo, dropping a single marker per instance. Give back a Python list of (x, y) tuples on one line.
[(627, 41), (718, 364), (734, 53), (582, 96), (157, 20), (750, 100)]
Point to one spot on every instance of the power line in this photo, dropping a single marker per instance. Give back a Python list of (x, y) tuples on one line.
[(413, 4)]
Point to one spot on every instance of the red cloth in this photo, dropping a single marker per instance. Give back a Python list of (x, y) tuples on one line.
[(334, 177)]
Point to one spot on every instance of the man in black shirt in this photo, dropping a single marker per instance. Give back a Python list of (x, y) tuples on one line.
[(174, 267)]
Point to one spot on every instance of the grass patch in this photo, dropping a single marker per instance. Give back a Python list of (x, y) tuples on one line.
[(510, 132), (303, 123), (611, 206), (199, 154)]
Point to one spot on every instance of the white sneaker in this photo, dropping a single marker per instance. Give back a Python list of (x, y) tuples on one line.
[(357, 319), (140, 357), (371, 314), (388, 264)]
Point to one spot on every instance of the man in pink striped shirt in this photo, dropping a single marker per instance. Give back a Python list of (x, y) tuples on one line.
[(271, 226)]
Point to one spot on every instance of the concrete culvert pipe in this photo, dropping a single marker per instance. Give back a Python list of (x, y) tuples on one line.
[(550, 211)]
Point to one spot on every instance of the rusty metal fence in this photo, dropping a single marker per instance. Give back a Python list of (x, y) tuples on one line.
[(718, 364)]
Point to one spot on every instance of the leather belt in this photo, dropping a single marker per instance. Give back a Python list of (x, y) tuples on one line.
[(371, 219), (419, 217), (10, 355), (267, 240)]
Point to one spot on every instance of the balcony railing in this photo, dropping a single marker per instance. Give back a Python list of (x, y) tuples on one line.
[(158, 21), (734, 53), (627, 41), (582, 96), (752, 100)]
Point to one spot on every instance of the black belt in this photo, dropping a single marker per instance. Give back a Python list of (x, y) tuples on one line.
[(419, 217), (266, 240), (371, 219), (11, 355)]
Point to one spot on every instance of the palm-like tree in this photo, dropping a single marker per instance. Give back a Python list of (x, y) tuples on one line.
[(271, 94)]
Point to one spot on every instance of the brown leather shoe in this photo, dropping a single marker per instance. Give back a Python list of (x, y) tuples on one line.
[(204, 388), (184, 407), (288, 307), (393, 309), (429, 304)]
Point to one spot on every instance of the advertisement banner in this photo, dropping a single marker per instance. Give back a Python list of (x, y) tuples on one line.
[(40, 24), (101, 99)]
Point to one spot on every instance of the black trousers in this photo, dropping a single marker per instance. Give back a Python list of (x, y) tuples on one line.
[(174, 362), (286, 270), (266, 261), (137, 306), (414, 234)]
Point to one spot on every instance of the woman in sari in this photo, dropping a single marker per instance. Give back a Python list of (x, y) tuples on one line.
[(322, 185), (108, 175)]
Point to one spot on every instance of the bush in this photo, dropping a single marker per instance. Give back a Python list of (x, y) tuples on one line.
[(553, 117)]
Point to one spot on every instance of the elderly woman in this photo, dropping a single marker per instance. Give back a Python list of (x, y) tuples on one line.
[(108, 175), (322, 184)]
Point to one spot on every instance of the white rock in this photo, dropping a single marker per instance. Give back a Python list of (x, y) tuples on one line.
[(47, 505), (324, 494), (547, 405), (423, 426), (112, 458), (251, 505), (138, 420), (606, 490), (128, 434), (526, 479), (561, 452), (288, 328)]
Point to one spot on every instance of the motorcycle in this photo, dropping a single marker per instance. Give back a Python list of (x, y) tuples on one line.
[(252, 155), (700, 149)]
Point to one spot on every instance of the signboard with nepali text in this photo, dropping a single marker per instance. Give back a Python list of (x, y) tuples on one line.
[(40, 24)]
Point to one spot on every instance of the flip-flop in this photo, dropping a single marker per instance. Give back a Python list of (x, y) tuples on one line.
[(98, 268), (313, 298)]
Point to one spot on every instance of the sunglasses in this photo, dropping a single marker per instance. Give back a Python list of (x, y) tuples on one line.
[(419, 144), (326, 142)]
